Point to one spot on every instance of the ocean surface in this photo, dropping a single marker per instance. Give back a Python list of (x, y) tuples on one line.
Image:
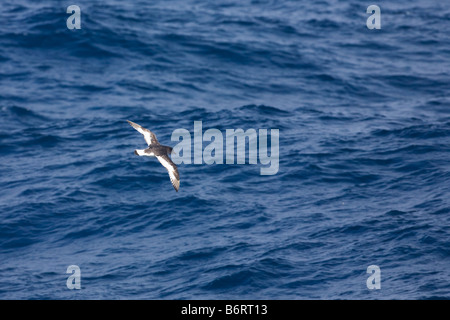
[(364, 150)]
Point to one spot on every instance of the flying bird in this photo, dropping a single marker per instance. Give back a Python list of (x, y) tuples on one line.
[(155, 149)]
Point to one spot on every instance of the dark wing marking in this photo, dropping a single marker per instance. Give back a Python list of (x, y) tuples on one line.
[(148, 135), (172, 169)]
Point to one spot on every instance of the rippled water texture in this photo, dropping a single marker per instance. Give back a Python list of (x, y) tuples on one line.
[(364, 169)]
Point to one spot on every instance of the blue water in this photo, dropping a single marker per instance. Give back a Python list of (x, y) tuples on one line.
[(364, 174)]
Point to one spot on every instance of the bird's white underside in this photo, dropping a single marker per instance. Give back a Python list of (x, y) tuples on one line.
[(143, 153)]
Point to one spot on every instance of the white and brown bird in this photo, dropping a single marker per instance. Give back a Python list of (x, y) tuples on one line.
[(155, 149)]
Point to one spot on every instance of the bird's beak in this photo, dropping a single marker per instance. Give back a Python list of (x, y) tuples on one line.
[(135, 152)]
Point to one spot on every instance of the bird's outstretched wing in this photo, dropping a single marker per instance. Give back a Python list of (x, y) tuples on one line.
[(148, 135), (173, 171)]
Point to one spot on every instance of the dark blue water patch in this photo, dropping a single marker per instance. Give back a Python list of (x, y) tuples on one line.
[(45, 141), (442, 211), (418, 132), (202, 254), (140, 86), (407, 81), (395, 213), (412, 149), (17, 243), (74, 235), (242, 278), (370, 44), (295, 247), (264, 110), (21, 114), (325, 24)]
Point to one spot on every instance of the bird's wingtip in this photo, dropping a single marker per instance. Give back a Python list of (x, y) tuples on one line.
[(131, 123)]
